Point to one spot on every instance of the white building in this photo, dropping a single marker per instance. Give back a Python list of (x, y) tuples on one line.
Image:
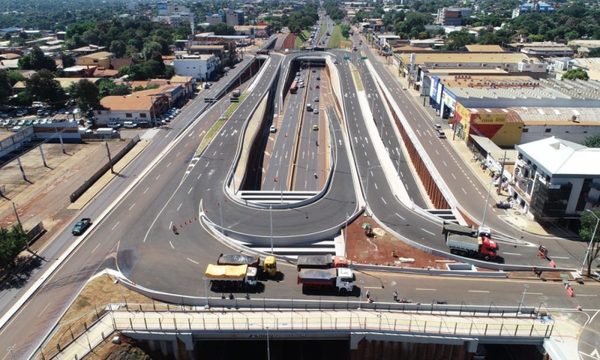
[(556, 179), (200, 67)]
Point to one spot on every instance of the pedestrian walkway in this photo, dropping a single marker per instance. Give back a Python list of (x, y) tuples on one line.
[(244, 320), (108, 176)]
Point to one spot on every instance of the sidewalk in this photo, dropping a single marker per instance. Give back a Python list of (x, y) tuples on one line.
[(512, 216)]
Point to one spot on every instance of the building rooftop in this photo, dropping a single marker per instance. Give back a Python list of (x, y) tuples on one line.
[(10, 56), (463, 58), (560, 157), (137, 101), (558, 115), (99, 55), (178, 79), (512, 89), (88, 49), (484, 48)]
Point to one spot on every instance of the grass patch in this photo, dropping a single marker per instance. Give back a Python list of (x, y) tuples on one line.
[(357, 80), (301, 39), (214, 130), (86, 309), (322, 31), (337, 40)]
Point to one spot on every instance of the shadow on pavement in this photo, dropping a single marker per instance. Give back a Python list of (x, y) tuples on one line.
[(18, 275)]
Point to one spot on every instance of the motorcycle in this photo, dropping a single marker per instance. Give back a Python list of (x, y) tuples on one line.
[(503, 205)]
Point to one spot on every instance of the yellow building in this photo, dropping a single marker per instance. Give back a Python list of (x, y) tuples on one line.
[(100, 59), (502, 126)]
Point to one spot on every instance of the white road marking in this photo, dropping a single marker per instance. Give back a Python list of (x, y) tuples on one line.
[(425, 289), (454, 177), (170, 243), (193, 261), (169, 164), (157, 177), (560, 257), (400, 216), (179, 207), (94, 249), (382, 199), (509, 253), (199, 176), (587, 295), (131, 207), (463, 190), (427, 231), (444, 162), (145, 191), (115, 225), (376, 187), (171, 225), (479, 291), (190, 190)]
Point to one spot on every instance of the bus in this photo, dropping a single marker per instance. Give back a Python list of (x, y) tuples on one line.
[(294, 87)]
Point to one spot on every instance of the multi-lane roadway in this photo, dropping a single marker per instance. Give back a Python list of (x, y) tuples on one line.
[(137, 236)]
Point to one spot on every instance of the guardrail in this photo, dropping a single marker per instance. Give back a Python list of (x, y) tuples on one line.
[(159, 319)]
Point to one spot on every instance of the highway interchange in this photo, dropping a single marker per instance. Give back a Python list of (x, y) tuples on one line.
[(167, 185)]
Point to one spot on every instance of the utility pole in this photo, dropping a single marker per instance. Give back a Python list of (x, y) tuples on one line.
[(43, 157), (501, 173), (112, 170), (587, 253), (271, 226), (21, 168)]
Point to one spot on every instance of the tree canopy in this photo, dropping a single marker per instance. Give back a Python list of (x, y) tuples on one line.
[(36, 60), (574, 74), (86, 93), (12, 242), (588, 222), (41, 86), (592, 141)]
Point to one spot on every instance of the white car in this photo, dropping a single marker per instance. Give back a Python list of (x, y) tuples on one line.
[(272, 129)]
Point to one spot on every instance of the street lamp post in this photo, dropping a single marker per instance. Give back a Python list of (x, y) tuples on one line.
[(271, 226), (487, 200), (525, 287), (587, 253), (268, 345)]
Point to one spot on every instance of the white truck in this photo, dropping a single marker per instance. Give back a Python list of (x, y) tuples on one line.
[(339, 279)]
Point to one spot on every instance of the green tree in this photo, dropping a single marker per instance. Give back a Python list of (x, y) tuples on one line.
[(12, 242), (592, 141), (14, 76), (5, 87), (222, 29), (86, 93), (575, 74), (107, 87), (41, 86), (412, 25), (588, 222), (67, 60), (118, 47), (36, 60), (457, 40), (151, 49)]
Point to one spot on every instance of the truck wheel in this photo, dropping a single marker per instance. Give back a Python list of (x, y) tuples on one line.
[(343, 292), (486, 258), (452, 251)]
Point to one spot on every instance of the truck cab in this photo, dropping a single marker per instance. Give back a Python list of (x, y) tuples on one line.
[(270, 266), (345, 280)]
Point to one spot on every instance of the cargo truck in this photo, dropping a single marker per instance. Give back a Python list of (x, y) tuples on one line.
[(320, 262), (231, 277), (339, 279), (268, 266), (480, 246)]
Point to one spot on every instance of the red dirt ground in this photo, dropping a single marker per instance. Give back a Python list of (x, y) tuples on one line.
[(379, 250)]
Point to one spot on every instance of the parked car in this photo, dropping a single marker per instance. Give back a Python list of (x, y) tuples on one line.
[(80, 226), (272, 129)]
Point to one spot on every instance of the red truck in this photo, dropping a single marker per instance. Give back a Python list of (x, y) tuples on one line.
[(320, 262), (477, 244)]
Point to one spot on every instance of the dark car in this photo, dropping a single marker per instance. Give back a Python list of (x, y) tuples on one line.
[(80, 226)]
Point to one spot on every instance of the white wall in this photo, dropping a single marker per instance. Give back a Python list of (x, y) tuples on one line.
[(574, 133), (199, 69), (107, 116)]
